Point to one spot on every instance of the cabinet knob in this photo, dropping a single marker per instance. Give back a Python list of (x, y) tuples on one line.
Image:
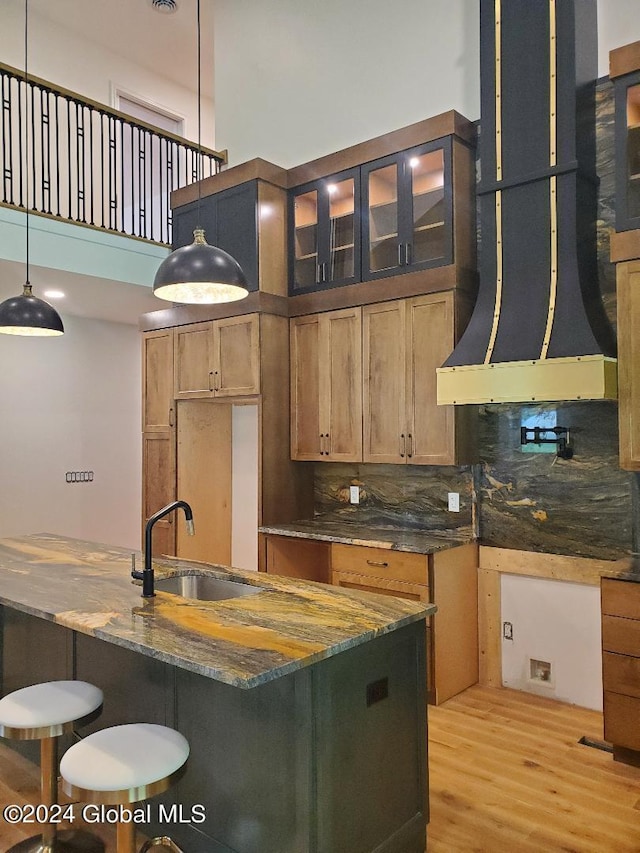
[(211, 388), (407, 254), (171, 416), (403, 444), (400, 254), (410, 453), (378, 563)]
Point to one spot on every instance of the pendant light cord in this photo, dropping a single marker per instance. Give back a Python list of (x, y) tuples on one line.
[(26, 111), (199, 164)]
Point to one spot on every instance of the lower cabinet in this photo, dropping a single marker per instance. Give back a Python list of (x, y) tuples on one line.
[(620, 602), (447, 578)]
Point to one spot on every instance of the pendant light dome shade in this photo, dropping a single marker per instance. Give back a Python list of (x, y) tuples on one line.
[(200, 274), (28, 315)]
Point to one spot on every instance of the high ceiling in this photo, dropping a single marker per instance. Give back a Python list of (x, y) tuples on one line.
[(164, 44)]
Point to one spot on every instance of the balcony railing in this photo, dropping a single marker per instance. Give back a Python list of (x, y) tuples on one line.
[(91, 164)]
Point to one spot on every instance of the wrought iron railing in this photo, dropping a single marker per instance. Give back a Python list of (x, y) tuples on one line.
[(89, 163)]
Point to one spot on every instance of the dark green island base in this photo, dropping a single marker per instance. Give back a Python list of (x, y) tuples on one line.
[(304, 705)]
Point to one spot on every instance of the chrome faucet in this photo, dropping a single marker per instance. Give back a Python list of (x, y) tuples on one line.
[(147, 575)]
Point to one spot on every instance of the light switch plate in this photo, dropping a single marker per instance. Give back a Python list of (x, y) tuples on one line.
[(354, 494), (454, 502)]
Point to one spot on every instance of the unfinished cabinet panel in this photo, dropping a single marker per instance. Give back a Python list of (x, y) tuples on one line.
[(326, 387), (204, 475), (219, 358), (299, 558)]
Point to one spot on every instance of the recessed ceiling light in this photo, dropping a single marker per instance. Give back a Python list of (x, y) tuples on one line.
[(54, 294)]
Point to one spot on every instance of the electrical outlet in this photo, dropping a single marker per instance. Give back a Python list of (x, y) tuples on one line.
[(507, 631), (454, 502), (354, 494)]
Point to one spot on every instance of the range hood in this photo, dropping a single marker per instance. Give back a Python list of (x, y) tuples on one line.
[(538, 330)]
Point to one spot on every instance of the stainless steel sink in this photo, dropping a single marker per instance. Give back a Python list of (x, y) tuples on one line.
[(204, 588)]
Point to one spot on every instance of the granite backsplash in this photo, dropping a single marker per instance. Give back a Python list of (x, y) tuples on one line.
[(583, 506)]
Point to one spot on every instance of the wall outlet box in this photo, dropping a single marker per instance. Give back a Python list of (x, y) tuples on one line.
[(454, 502), (354, 494)]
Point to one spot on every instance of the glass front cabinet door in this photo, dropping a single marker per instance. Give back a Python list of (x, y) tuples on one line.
[(325, 224), (407, 211), (627, 90)]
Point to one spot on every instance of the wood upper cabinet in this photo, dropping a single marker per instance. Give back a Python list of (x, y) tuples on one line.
[(158, 436), (218, 359), (628, 290), (158, 410), (403, 344), (326, 387)]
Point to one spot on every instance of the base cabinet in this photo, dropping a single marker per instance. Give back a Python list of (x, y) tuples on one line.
[(448, 579), (620, 604)]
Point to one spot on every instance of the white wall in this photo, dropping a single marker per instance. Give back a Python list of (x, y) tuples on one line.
[(298, 79), (67, 60), (244, 487), (72, 404), (559, 623)]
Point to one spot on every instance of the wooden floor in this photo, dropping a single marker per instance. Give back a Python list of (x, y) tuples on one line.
[(507, 775)]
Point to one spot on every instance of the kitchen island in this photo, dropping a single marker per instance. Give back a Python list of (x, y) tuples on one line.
[(304, 705)]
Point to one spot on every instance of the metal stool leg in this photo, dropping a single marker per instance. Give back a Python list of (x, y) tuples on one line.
[(50, 840), (126, 837)]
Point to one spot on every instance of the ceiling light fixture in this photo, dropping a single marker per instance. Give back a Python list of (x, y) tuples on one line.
[(200, 273), (26, 314)]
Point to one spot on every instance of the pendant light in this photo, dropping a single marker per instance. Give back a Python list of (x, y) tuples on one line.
[(200, 273), (26, 314)]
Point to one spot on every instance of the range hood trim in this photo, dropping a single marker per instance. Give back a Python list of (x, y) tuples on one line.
[(588, 377)]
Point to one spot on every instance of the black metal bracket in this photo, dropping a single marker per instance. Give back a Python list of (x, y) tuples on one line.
[(539, 435)]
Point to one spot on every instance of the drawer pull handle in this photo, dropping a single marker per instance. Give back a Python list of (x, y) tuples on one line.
[(377, 563)]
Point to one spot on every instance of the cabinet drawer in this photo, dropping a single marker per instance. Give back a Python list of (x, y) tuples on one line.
[(380, 563), (622, 720), (620, 598), (621, 635), (621, 674), (381, 586)]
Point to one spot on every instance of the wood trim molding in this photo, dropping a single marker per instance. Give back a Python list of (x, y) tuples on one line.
[(558, 567), (256, 169), (258, 302), (624, 245), (434, 280), (445, 124), (494, 562), (624, 60)]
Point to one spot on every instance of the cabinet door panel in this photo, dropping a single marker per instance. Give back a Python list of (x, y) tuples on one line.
[(204, 480), (236, 357), (159, 486), (305, 388), (429, 343), (194, 361), (237, 228), (622, 720), (341, 384), (384, 382), (157, 392), (381, 218)]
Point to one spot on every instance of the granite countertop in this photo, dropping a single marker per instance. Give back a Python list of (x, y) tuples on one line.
[(243, 641), (332, 529)]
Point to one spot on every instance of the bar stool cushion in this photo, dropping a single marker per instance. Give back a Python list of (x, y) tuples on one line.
[(52, 703), (121, 758)]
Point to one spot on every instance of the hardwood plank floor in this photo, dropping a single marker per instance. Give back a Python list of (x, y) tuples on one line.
[(507, 775)]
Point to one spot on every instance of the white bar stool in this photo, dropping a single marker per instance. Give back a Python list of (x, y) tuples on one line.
[(44, 712), (122, 765)]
